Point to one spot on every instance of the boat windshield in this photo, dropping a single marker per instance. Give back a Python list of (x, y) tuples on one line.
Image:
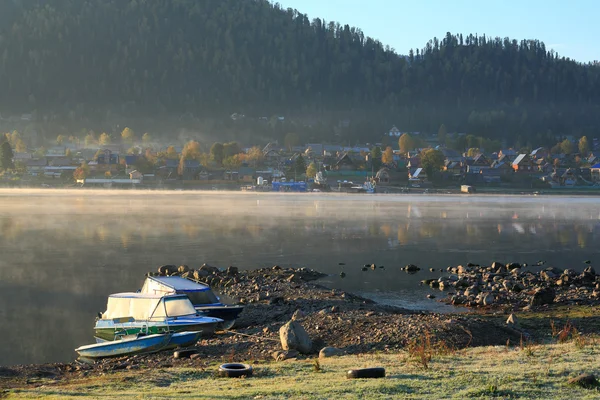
[(203, 297), (178, 307)]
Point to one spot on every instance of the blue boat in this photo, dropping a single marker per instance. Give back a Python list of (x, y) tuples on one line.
[(136, 345), (183, 339)]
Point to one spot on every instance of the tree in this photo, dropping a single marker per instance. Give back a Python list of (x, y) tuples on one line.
[(432, 161), (231, 149), (146, 138), (104, 139), (299, 165), (376, 158), (60, 139), (388, 156), (255, 155), (6, 156), (406, 143), (127, 136), (311, 171), (584, 147), (291, 140), (232, 162), (217, 153), (20, 146), (191, 151), (473, 151), (442, 134), (567, 147), (68, 153), (90, 139), (171, 153), (81, 172)]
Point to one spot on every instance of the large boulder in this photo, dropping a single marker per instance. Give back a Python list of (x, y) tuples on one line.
[(543, 296), (330, 352), (294, 337), (209, 268), (164, 270), (183, 269)]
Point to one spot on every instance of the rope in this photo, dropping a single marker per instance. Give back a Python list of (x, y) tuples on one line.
[(248, 335)]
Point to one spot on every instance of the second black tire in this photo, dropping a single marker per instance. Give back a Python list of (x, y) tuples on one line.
[(366, 373), (235, 370)]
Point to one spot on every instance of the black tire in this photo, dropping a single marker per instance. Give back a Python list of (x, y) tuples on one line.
[(235, 370), (225, 325), (366, 373), (185, 353)]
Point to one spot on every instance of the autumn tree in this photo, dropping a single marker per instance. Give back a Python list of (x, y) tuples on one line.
[(82, 171), (567, 147), (388, 156), (406, 143), (20, 146), (127, 136), (171, 153), (60, 140), (90, 139), (432, 161), (473, 151), (255, 155), (191, 151), (584, 147), (311, 170), (104, 139), (146, 138)]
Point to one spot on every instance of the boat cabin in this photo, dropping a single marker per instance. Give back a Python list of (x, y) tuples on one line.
[(199, 294), (122, 307)]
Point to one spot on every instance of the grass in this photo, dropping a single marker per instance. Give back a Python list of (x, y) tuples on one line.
[(482, 372)]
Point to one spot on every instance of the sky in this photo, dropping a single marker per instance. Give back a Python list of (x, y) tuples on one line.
[(571, 28)]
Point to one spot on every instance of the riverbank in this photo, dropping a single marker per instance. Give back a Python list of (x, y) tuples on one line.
[(529, 371), (354, 325)]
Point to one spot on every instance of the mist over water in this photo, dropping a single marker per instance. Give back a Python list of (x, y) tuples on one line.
[(62, 252)]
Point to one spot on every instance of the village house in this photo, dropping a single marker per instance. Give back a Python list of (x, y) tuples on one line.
[(479, 163), (344, 163), (523, 163), (35, 167), (595, 172), (540, 153), (508, 154)]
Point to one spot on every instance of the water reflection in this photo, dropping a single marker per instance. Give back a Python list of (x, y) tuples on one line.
[(64, 252)]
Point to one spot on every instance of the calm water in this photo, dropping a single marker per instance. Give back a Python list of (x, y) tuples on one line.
[(63, 252)]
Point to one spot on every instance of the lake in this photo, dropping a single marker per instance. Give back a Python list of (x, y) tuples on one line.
[(62, 252)]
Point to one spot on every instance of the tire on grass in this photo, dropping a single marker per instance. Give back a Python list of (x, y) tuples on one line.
[(235, 370)]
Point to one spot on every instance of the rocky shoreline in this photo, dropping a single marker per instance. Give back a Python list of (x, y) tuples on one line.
[(332, 318), (513, 287)]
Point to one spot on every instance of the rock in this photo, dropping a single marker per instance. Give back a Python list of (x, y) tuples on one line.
[(431, 269), (373, 267), (543, 296), (231, 271), (461, 270), (330, 352), (486, 299), (512, 320), (292, 278), (584, 380), (335, 309), (298, 315), (166, 269), (276, 268), (430, 296), (547, 275), (284, 355), (342, 274), (411, 268), (209, 268), (183, 269), (294, 337), (198, 274), (511, 266)]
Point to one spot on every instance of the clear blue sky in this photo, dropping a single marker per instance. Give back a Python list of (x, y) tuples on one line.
[(572, 28)]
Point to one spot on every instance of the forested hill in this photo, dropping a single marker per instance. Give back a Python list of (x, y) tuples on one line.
[(250, 56)]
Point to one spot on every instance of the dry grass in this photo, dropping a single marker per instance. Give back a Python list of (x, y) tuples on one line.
[(484, 372)]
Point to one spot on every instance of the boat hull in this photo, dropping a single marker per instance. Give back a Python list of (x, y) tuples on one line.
[(116, 348), (227, 313)]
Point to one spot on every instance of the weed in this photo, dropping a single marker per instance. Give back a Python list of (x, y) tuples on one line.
[(492, 389), (527, 346), (420, 350), (317, 365)]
